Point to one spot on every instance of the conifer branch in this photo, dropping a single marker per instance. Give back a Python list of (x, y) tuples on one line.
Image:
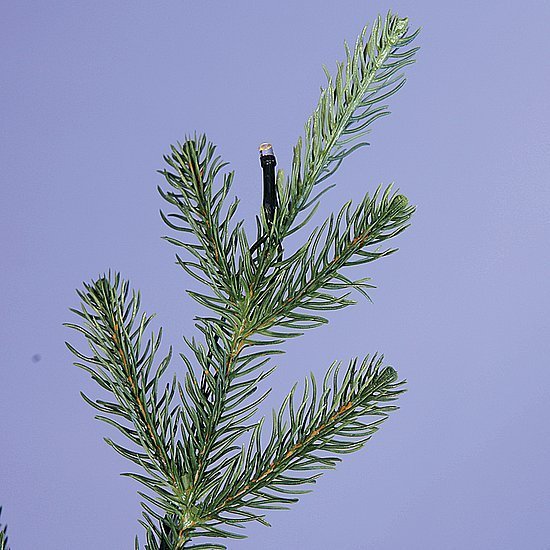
[(3, 535), (334, 424), (122, 366), (196, 443), (347, 107), (195, 169)]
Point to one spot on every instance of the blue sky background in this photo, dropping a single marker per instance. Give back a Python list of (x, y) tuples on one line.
[(92, 95)]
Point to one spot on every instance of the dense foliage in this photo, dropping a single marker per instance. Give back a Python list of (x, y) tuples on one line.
[(207, 464)]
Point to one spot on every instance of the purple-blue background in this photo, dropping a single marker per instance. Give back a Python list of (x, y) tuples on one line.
[(92, 95)]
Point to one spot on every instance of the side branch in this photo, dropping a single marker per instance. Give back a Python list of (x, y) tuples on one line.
[(308, 279), (335, 423), (145, 416)]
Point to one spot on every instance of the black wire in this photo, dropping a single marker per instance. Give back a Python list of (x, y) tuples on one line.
[(270, 201)]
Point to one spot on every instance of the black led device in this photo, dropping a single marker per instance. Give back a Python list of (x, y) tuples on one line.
[(268, 162)]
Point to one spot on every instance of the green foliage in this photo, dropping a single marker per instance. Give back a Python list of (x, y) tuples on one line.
[(3, 535), (207, 465)]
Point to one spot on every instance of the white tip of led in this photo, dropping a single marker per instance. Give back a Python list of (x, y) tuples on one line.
[(266, 149)]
